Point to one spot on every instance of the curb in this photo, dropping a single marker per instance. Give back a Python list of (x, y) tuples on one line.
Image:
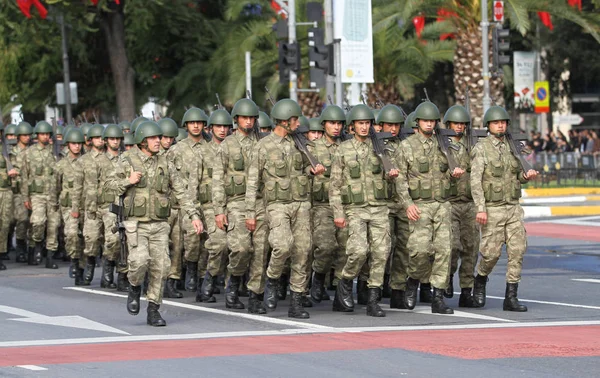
[(550, 192), (548, 211)]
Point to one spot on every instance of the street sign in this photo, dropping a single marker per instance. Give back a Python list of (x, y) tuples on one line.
[(542, 96), (569, 119), (498, 11), (60, 93)]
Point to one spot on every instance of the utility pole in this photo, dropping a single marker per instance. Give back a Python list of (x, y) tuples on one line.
[(292, 39), (67, 79), (328, 10), (485, 59), (248, 72)]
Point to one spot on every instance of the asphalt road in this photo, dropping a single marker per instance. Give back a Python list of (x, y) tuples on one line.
[(48, 327)]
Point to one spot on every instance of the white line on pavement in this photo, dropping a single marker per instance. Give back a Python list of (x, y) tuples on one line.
[(538, 200), (579, 221), (551, 303), (457, 313), (32, 367), (591, 280)]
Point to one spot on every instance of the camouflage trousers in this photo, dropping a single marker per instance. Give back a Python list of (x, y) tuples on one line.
[(193, 244), (216, 243), (99, 229), (175, 244), (290, 237), (6, 214), (400, 232), (368, 237), (431, 234), (329, 242), (73, 233), (504, 226), (20, 217), (45, 220), (148, 244), (465, 242)]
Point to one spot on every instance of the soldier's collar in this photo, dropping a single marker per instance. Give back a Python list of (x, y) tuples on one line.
[(422, 138), (496, 141)]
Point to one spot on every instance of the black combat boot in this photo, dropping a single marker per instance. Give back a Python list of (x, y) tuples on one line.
[(282, 287), (133, 299), (154, 319), (4, 256), (170, 290), (438, 306), (231, 296), (387, 290), (270, 295), (306, 302), (108, 274), (449, 292), (362, 292), (35, 254), (255, 304), (397, 299), (50, 264), (373, 308), (79, 276), (205, 291), (21, 251), (410, 296), (243, 290), (9, 243), (2, 266), (122, 282), (318, 287), (479, 290), (344, 299), (425, 293), (73, 268), (90, 266), (296, 310), (181, 282), (511, 303), (191, 277), (466, 298)]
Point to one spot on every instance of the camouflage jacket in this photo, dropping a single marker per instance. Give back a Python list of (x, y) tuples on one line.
[(70, 183), (201, 182), (182, 155), (37, 172), (323, 151), (16, 154), (460, 189), (396, 202), (5, 180), (96, 168)]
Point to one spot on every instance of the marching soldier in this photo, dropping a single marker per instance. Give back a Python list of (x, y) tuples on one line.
[(147, 181), (126, 127), (315, 129), (282, 171), (496, 178), (265, 123), (424, 189), (85, 128), (6, 202), (128, 141), (23, 134)]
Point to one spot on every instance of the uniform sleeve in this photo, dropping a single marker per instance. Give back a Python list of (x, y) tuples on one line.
[(179, 191), (77, 192), (90, 185), (24, 175), (335, 185), (195, 177), (257, 163), (118, 179), (402, 180), (477, 168), (218, 179)]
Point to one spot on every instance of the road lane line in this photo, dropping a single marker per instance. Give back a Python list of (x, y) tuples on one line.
[(32, 367), (551, 303), (590, 280)]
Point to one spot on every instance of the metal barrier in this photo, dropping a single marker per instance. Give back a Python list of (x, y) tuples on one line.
[(565, 169)]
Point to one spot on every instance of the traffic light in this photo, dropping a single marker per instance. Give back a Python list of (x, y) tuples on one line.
[(289, 60), (320, 57), (500, 48)]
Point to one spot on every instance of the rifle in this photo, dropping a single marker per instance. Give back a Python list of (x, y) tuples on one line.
[(442, 136), (380, 104), (249, 94), (518, 150), (299, 139), (55, 142), (219, 106), (9, 166), (329, 99), (95, 117), (472, 136), (377, 139), (119, 211)]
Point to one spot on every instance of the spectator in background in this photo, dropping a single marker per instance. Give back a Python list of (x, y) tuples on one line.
[(587, 143), (594, 138)]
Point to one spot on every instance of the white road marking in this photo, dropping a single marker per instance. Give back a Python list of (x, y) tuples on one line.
[(459, 314), (579, 221), (32, 367), (551, 303), (591, 280), (537, 200)]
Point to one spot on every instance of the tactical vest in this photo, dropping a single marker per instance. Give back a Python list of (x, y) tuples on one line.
[(16, 181), (234, 181), (501, 175), (5, 181), (283, 175), (320, 185), (205, 173), (151, 194), (41, 169), (105, 196), (460, 189), (68, 181), (427, 172)]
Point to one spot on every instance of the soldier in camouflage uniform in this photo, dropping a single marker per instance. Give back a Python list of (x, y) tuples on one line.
[(40, 194), (358, 194), (282, 171), (329, 242), (6, 200), (465, 233), (315, 129), (128, 141), (424, 188), (147, 181), (23, 134), (264, 122), (496, 178), (85, 127), (70, 181), (125, 126)]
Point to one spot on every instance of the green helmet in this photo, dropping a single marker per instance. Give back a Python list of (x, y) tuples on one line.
[(428, 111), (24, 128), (304, 123), (315, 124), (42, 127), (411, 120), (264, 120), (136, 122), (125, 126), (375, 113), (112, 131), (244, 107), (74, 135), (11, 129), (332, 113), (360, 112), (220, 117), (194, 114), (390, 114), (95, 131), (67, 129), (128, 140), (85, 127), (286, 109), (147, 129), (182, 135), (169, 127), (456, 114), (495, 113), (60, 130)]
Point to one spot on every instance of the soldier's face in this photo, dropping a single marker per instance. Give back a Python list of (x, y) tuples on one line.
[(75, 148), (195, 127), (314, 135), (113, 143), (361, 127), (246, 122), (153, 144), (392, 128), (294, 123), (458, 127), (220, 131), (24, 139), (128, 147), (97, 142), (426, 126), (265, 129), (12, 136), (377, 127), (59, 137), (333, 129), (44, 138), (497, 127), (166, 142)]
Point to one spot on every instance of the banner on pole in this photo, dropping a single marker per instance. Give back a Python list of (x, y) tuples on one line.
[(523, 68), (542, 97)]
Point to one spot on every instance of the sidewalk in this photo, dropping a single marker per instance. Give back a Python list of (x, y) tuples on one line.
[(560, 202)]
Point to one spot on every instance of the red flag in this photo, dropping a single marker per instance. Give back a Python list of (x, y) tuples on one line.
[(25, 6), (443, 15), (419, 23), (575, 3), (546, 19), (42, 11), (95, 2), (277, 8)]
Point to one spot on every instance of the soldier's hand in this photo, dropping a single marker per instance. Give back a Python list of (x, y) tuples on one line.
[(318, 170), (134, 177), (198, 226), (74, 214), (458, 172), (251, 224), (393, 173), (413, 213), (221, 221), (481, 218), (13, 172), (340, 222), (28, 205), (531, 174)]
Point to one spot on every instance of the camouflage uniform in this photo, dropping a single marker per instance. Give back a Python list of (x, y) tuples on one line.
[(20, 212), (176, 231), (70, 178), (6, 205)]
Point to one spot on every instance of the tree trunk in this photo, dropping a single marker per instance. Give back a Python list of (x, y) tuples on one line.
[(113, 26)]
